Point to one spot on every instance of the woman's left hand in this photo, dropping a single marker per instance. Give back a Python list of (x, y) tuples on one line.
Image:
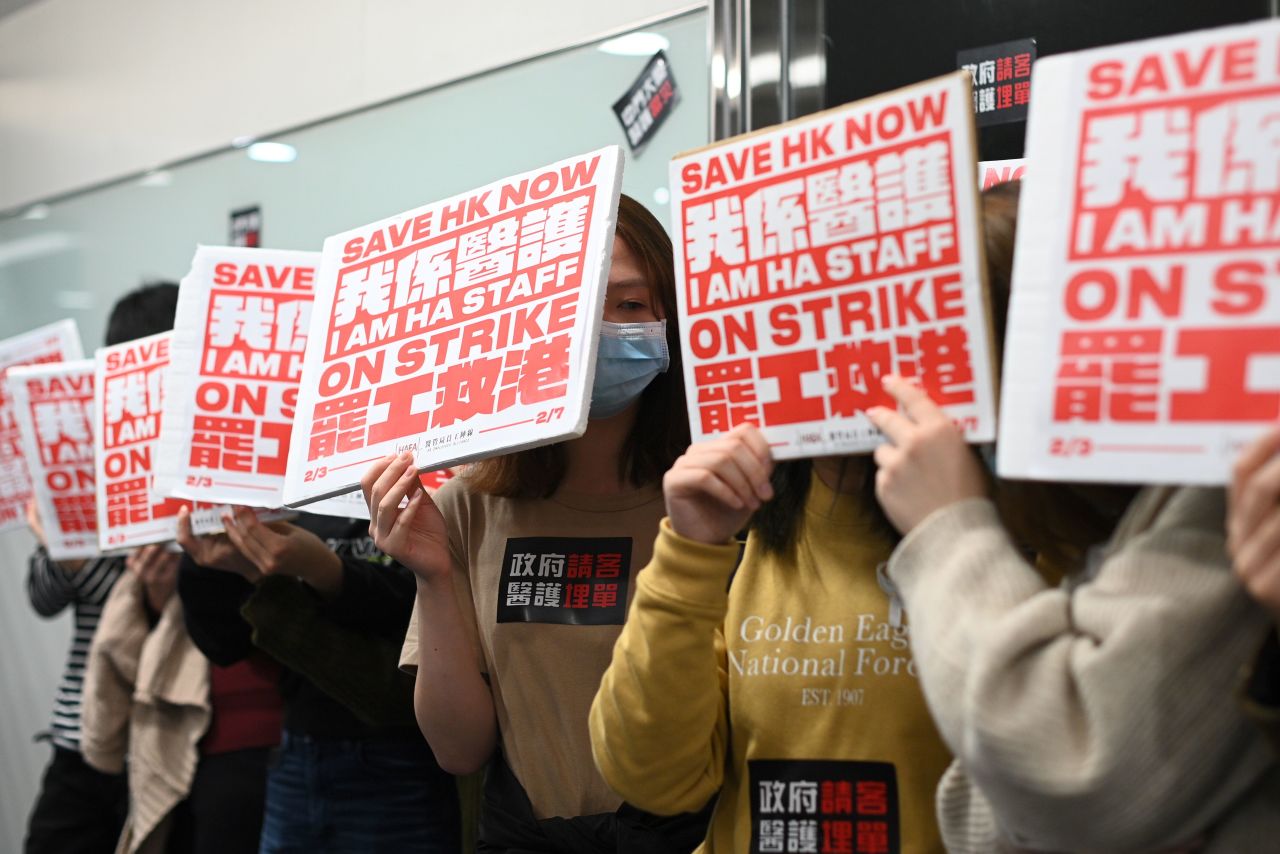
[(926, 465), (280, 548)]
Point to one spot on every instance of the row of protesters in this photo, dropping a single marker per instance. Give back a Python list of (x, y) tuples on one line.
[(990, 665), (247, 689), (81, 808)]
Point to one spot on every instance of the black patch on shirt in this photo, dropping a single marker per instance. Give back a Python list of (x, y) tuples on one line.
[(800, 805), (573, 581)]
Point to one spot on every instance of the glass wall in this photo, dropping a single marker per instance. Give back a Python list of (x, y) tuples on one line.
[(88, 249)]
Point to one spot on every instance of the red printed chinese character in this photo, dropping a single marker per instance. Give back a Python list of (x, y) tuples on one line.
[(577, 595), (837, 837), (1004, 68), (1004, 96), (1108, 374), (604, 596), (545, 372), (873, 837), (580, 565), (466, 390), (608, 565), (946, 371), (1022, 65), (339, 425), (873, 798), (792, 405), (1022, 93), (857, 368), (837, 797), (1227, 395)]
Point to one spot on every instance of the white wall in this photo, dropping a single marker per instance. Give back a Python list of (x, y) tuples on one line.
[(93, 90)]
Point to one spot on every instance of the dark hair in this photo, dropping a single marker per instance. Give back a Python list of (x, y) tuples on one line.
[(778, 523), (661, 431), (143, 311), (1058, 522)]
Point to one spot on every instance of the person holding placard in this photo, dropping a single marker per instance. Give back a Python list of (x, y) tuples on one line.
[(314, 608), (525, 564), (79, 808), (1095, 715), (781, 679)]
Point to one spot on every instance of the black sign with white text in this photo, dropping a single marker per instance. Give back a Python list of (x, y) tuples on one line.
[(576, 581), (1001, 80), (648, 102), (821, 805)]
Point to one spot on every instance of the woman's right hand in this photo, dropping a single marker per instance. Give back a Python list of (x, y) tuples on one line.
[(413, 534), (713, 489)]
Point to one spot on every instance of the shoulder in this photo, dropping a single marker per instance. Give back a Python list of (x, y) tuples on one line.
[(1183, 508)]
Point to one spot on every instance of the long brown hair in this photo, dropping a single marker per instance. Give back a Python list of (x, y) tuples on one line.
[(1058, 522), (661, 430)]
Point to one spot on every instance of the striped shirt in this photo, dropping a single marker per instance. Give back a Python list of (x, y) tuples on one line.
[(52, 589)]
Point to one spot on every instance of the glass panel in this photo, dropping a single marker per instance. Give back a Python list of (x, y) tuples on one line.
[(873, 47), (348, 171)]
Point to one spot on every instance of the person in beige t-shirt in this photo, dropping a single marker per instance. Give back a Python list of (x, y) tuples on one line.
[(525, 567)]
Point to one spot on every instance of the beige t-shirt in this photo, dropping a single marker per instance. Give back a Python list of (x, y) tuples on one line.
[(545, 585)]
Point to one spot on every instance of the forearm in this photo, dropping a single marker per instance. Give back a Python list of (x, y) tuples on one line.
[(658, 723), (49, 587), (1063, 704), (452, 701)]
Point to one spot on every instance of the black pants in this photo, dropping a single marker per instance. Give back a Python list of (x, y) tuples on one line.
[(79, 810), (223, 812)]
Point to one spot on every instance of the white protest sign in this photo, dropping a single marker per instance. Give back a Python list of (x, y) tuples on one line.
[(1144, 326), (240, 332), (815, 257), (57, 342), (53, 404), (128, 391), (458, 330), (992, 172)]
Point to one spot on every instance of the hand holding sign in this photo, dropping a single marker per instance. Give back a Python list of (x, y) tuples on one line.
[(281, 548), (215, 551), (1253, 520), (927, 466), (413, 534), (713, 489), (157, 569)]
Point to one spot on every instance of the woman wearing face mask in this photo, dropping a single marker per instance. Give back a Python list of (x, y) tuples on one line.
[(525, 566)]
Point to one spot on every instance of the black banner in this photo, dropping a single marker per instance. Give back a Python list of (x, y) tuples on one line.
[(1001, 80), (807, 805), (576, 581), (648, 102)]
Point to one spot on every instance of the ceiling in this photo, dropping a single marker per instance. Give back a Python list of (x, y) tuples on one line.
[(8, 7)]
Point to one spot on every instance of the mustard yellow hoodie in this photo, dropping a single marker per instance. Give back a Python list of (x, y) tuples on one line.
[(791, 691)]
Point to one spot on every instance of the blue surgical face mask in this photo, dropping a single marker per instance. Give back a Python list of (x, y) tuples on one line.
[(630, 356)]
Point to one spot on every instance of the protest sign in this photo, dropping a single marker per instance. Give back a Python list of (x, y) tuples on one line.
[(646, 105), (232, 385), (53, 404), (457, 330), (992, 172), (57, 342), (128, 387), (1001, 77), (815, 257), (1144, 330)]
